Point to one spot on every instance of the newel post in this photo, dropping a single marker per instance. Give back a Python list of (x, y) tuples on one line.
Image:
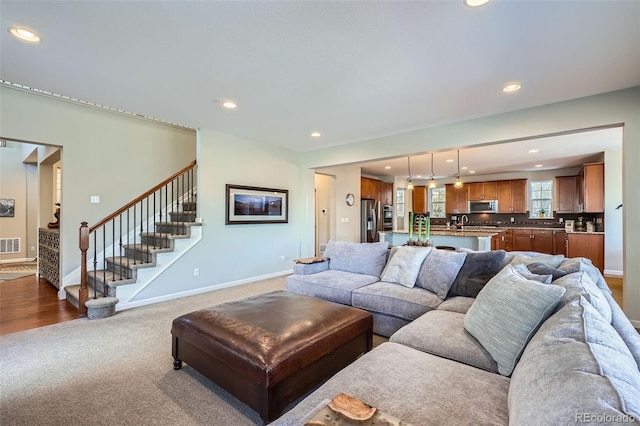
[(84, 289)]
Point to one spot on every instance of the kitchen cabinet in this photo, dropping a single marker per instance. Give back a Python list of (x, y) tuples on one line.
[(480, 191), (457, 200), (567, 194), (512, 196), (587, 244), (540, 240), (591, 188), (370, 188), (420, 200), (386, 193), (499, 241), (559, 242)]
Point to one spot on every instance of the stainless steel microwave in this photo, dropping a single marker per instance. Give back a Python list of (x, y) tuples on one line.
[(486, 206)]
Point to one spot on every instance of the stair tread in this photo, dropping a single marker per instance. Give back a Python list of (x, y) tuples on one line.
[(110, 277), (129, 263), (145, 247)]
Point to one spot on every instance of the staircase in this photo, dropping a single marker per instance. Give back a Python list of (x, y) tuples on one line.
[(135, 244), (123, 270)]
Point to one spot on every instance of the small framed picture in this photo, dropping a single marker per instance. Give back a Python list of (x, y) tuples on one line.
[(252, 204), (7, 207)]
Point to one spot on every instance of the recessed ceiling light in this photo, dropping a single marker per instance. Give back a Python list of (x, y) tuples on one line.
[(387, 167), (450, 161), (464, 168), (418, 176), (229, 104), (472, 171), (511, 87), (475, 3), (532, 151), (315, 134), (24, 34), (538, 165)]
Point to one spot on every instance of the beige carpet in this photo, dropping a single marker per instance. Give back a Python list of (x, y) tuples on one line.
[(115, 371)]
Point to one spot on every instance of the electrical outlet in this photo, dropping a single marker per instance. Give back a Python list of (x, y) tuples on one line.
[(512, 220), (33, 248), (95, 199), (196, 272)]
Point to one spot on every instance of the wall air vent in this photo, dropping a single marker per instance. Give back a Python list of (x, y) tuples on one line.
[(9, 245)]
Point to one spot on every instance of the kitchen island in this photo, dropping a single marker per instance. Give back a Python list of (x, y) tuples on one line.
[(475, 239)]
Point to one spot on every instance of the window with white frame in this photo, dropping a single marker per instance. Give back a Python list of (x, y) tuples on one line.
[(541, 199), (400, 209), (437, 197)]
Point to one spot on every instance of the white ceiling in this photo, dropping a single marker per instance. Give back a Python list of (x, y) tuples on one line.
[(351, 70)]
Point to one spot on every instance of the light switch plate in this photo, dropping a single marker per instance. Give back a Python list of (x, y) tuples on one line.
[(95, 199)]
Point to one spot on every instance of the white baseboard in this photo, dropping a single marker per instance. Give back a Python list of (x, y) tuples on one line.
[(24, 259), (167, 297), (636, 324), (613, 273)]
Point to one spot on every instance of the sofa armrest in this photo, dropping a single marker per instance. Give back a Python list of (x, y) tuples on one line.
[(310, 268)]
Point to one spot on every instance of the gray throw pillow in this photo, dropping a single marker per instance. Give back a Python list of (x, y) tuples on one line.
[(477, 270), (553, 260), (359, 258), (439, 270), (526, 273), (507, 313), (544, 269), (404, 265)]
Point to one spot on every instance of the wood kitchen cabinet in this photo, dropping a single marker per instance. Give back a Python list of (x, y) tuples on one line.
[(591, 188), (499, 241), (587, 244), (512, 196), (419, 198), (370, 188), (540, 240), (480, 191), (567, 194), (457, 201), (559, 242), (386, 193)]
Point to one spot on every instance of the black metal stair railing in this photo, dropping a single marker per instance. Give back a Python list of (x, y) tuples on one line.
[(128, 238)]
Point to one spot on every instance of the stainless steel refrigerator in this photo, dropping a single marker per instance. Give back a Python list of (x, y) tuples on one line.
[(369, 219)]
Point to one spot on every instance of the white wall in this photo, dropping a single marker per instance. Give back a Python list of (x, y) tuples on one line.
[(13, 185), (347, 218), (231, 254), (325, 209), (615, 108), (613, 219), (112, 155)]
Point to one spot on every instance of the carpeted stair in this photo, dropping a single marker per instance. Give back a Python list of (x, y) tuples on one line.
[(122, 270)]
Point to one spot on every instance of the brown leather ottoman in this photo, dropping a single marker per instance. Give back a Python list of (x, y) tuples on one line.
[(271, 349)]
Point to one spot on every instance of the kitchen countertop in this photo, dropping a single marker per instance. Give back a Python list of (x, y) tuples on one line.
[(477, 231)]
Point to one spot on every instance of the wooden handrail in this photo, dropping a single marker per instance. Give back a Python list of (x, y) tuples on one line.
[(141, 197)]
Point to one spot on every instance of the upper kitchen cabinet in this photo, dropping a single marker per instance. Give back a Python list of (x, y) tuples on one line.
[(480, 191), (512, 196), (386, 193), (591, 188), (420, 200), (567, 194), (457, 199), (370, 188)]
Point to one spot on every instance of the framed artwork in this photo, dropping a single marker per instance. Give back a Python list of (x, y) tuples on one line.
[(252, 204), (7, 207)]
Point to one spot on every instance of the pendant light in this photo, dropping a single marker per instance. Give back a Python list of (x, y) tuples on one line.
[(432, 182), (458, 182), (409, 181)]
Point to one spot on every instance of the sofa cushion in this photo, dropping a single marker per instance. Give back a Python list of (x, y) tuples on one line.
[(394, 300), (335, 286), (404, 265), (359, 258), (460, 304), (579, 356), (552, 260), (507, 313), (579, 284), (416, 387), (523, 270), (477, 269), (439, 270), (583, 264), (442, 333), (624, 328)]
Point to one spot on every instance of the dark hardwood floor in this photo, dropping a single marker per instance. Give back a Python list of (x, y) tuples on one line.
[(31, 302)]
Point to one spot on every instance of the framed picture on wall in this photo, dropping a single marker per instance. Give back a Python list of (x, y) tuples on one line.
[(252, 204), (7, 207)]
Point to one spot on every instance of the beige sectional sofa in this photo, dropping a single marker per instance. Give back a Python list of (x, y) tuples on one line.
[(522, 352)]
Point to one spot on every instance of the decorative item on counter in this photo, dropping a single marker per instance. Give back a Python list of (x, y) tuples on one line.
[(410, 226), (541, 213), (56, 224)]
